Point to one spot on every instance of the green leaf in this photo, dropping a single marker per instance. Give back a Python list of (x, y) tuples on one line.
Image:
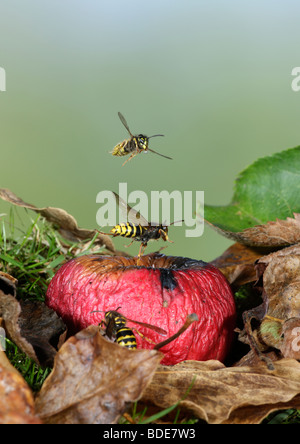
[(267, 190)]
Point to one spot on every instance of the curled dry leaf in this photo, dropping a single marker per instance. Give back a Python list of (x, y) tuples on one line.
[(33, 327), (279, 233), (93, 380), (281, 283), (16, 399), (279, 314), (237, 264), (273, 234), (220, 395), (68, 227), (43, 329), (290, 346), (10, 310), (8, 284), (293, 250)]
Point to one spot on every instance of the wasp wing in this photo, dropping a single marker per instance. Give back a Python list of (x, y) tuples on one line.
[(110, 330), (159, 330), (123, 120), (129, 213)]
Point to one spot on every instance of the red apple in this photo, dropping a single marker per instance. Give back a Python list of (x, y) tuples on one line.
[(154, 289)]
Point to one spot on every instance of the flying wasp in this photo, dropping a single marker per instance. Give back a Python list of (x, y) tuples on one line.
[(134, 145), (116, 329), (138, 228)]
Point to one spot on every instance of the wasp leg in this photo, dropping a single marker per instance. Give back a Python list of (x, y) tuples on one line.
[(131, 157), (142, 249), (126, 246), (162, 248), (141, 252)]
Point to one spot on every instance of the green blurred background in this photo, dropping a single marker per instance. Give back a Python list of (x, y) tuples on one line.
[(213, 76)]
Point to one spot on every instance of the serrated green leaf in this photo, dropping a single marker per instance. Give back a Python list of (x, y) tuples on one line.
[(267, 190)]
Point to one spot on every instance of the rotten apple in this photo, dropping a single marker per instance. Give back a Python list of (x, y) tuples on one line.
[(154, 289)]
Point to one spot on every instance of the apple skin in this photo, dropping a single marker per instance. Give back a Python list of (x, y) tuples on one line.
[(155, 289)]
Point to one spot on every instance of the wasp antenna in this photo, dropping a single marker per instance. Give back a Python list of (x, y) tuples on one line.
[(156, 135), (177, 221), (152, 151)]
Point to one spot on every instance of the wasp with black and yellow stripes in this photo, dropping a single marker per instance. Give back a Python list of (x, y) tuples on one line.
[(134, 145), (117, 330), (138, 228)]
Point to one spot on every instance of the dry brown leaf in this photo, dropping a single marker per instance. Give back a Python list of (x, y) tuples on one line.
[(32, 326), (16, 399), (279, 314), (8, 284), (281, 283), (237, 264), (10, 310), (220, 395), (43, 329), (68, 227), (273, 234), (93, 380), (290, 346), (252, 359), (293, 250)]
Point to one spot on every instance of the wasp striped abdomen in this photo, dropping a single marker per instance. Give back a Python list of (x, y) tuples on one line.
[(128, 230), (126, 338), (126, 147), (121, 149), (116, 326)]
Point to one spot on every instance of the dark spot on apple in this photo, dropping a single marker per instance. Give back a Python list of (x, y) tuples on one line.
[(167, 279)]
